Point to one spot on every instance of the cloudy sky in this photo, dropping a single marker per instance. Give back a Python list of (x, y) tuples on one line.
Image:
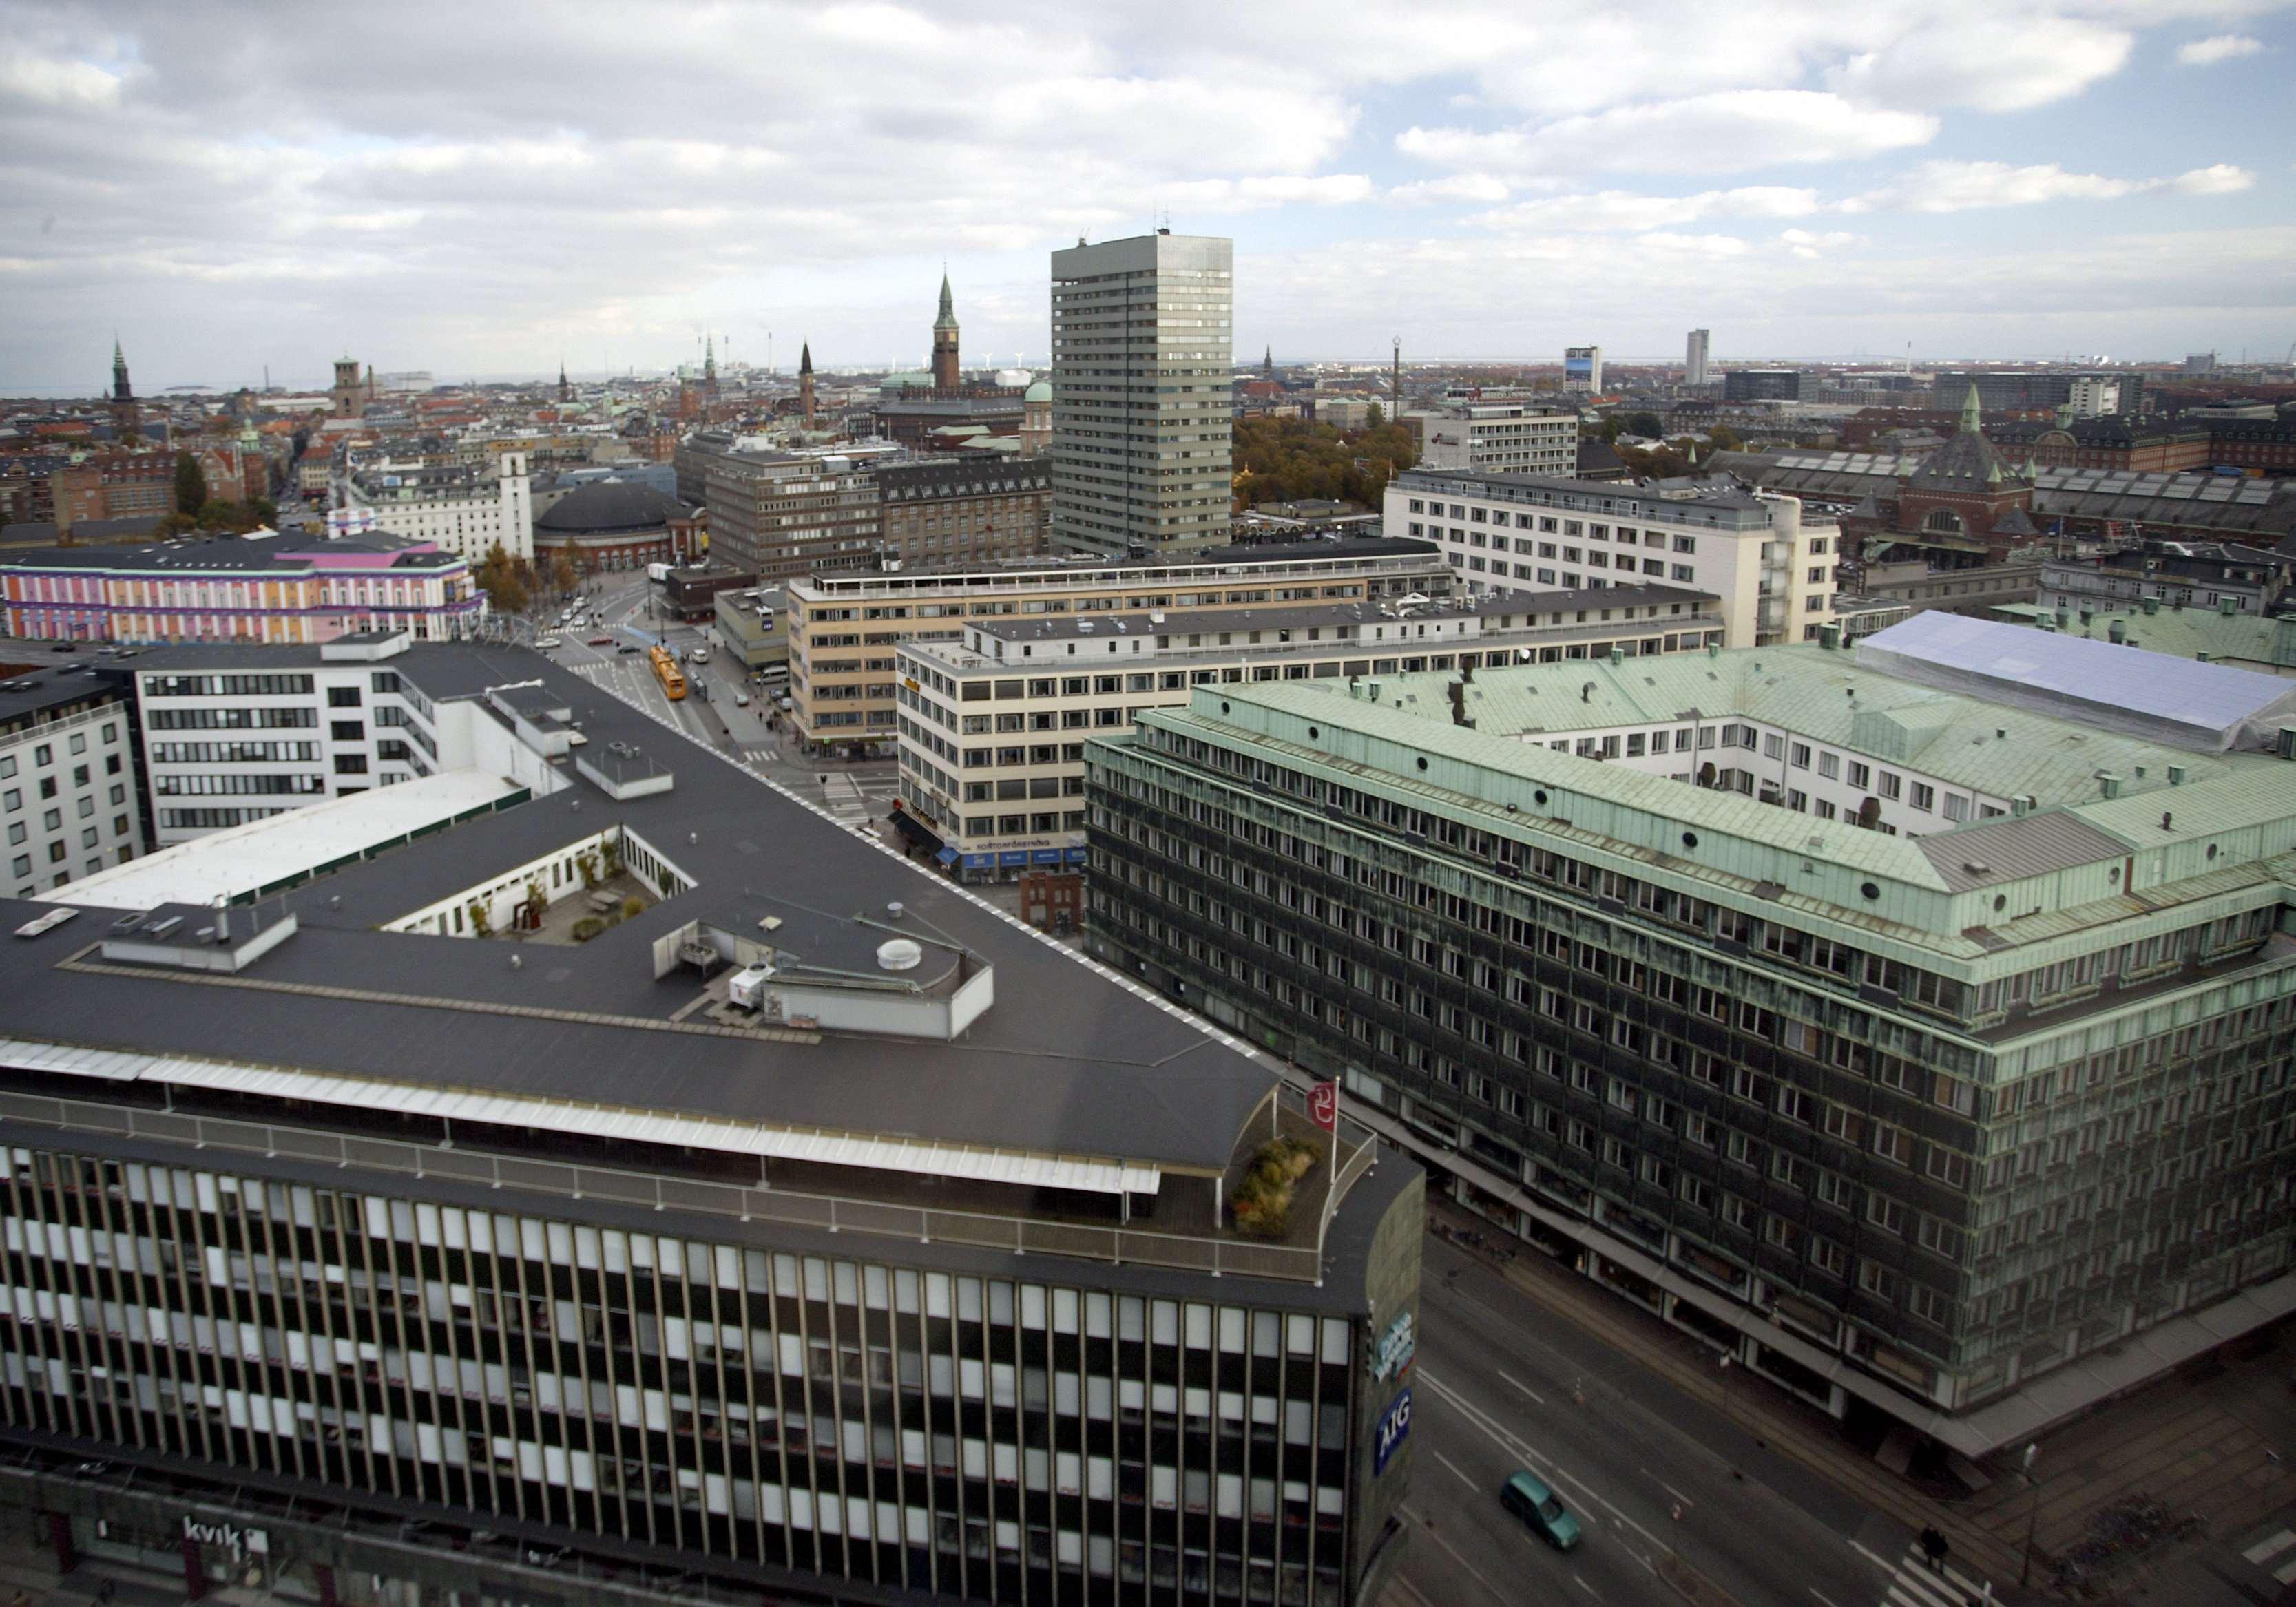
[(483, 188)]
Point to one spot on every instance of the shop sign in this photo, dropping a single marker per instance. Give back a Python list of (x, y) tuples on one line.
[(1391, 1352), (1394, 1425), (241, 1543)]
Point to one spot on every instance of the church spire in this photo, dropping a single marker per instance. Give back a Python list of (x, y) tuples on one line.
[(805, 357), (948, 317), (1969, 409)]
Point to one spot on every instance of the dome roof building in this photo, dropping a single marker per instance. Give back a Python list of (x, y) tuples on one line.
[(616, 524)]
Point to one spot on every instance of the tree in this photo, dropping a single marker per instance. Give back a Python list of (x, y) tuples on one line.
[(1647, 425), (1287, 459), (266, 510), (503, 579), (562, 575), (191, 485), (1375, 416), (1725, 439)]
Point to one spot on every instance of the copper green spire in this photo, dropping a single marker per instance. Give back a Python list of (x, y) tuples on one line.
[(1969, 409), (947, 319)]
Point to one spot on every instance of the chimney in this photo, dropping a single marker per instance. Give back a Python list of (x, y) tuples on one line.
[(2109, 785), (2227, 606), (1714, 650), (2065, 618), (1829, 636), (2204, 658), (2023, 804), (2176, 774), (1618, 655), (2088, 616), (2152, 605)]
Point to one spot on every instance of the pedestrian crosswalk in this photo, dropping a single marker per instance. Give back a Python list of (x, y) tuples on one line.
[(2276, 1553), (1915, 1584)]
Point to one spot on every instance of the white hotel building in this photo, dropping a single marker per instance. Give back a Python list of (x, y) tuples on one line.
[(462, 510), (1773, 569)]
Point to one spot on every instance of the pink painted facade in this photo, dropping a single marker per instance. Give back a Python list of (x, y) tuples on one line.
[(278, 590)]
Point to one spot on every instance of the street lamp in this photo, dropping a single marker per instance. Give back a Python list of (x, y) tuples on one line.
[(2032, 1515)]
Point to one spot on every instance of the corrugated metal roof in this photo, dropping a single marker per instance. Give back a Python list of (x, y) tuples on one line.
[(2083, 674)]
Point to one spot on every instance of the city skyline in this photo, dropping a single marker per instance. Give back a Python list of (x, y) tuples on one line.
[(2076, 177)]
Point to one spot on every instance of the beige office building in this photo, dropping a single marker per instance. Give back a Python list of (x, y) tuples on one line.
[(843, 627)]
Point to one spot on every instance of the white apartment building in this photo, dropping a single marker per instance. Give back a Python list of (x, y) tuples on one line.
[(67, 782), (462, 510), (992, 724), (1772, 568), (2095, 395), (1695, 353), (238, 734), (1498, 437)]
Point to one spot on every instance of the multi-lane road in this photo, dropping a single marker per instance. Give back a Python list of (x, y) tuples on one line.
[(1500, 1383), (855, 793)]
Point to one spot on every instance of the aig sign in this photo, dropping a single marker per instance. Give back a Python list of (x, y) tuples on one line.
[(1394, 1425)]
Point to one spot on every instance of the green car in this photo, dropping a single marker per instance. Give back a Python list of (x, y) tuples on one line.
[(1528, 1498)]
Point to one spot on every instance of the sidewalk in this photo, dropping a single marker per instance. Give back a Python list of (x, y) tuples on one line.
[(31, 1568), (2200, 1441)]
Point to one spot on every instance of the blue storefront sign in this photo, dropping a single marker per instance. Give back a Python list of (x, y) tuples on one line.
[(1044, 856), (947, 856), (980, 862), (1077, 855), (1394, 1424), (1007, 858)]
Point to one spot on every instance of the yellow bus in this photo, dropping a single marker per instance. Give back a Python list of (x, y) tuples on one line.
[(665, 671)]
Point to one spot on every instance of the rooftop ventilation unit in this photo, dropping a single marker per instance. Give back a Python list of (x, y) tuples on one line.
[(899, 953)]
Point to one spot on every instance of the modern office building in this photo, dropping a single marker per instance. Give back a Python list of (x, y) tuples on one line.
[(1497, 437), (1143, 402), (277, 589), (2095, 395), (1694, 358), (964, 511), (1911, 1025), (610, 1177), (459, 509), (1762, 385), (1582, 368), (228, 739), (780, 514), (67, 790), (1772, 568), (993, 726), (842, 626)]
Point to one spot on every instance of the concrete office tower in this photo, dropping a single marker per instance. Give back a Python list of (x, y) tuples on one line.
[(1582, 368), (1143, 405), (1693, 361)]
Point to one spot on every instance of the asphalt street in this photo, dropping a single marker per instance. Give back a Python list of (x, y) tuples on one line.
[(1499, 1384)]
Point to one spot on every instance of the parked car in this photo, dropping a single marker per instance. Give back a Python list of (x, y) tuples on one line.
[(741, 699), (1528, 1497), (548, 641), (601, 642), (65, 647), (626, 647)]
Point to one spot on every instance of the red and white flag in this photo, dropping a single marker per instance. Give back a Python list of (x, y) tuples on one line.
[(1323, 1105)]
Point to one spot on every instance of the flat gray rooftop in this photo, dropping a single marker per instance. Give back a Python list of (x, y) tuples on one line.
[(1068, 1060)]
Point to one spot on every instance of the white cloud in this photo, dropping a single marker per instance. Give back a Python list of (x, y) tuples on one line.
[(1458, 187), (1955, 186), (50, 82), (1809, 247), (1611, 211), (2221, 179), (2216, 48), (1998, 64), (1720, 133)]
